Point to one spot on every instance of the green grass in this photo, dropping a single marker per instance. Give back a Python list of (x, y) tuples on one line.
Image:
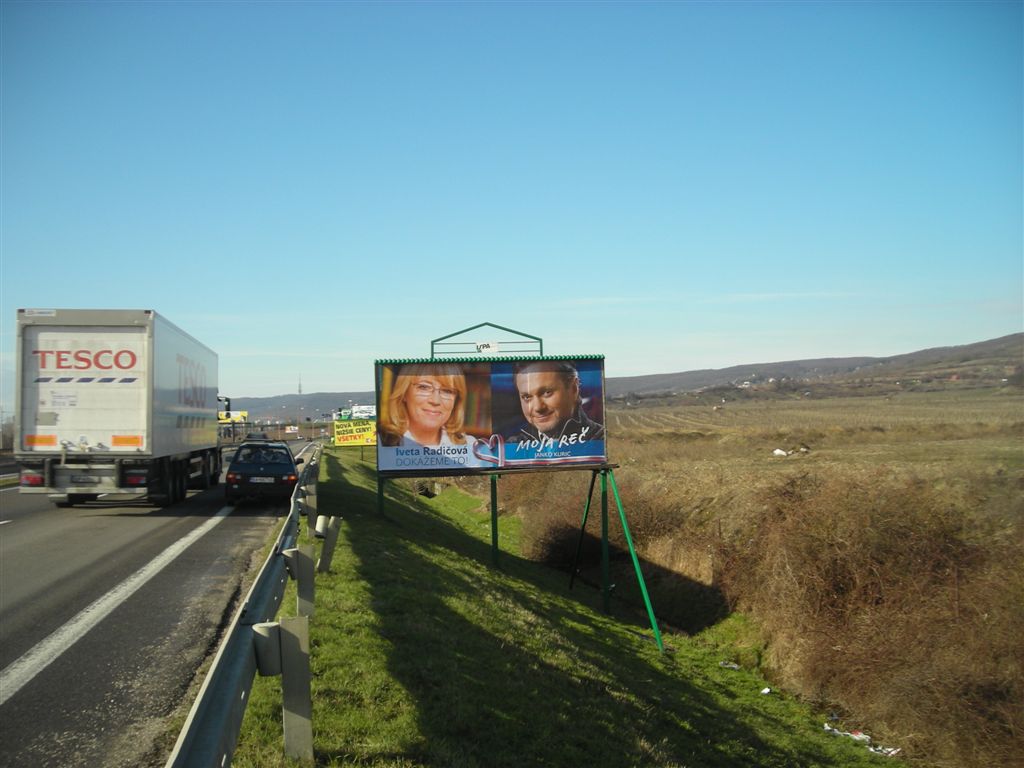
[(424, 654)]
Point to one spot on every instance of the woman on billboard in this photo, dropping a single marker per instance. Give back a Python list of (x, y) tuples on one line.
[(426, 407)]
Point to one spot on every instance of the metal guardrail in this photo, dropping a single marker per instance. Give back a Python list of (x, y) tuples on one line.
[(210, 735)]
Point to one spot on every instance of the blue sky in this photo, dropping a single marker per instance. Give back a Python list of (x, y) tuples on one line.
[(307, 187)]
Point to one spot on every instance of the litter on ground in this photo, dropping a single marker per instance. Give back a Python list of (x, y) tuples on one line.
[(863, 737)]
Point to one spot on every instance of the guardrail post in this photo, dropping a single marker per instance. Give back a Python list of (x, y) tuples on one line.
[(299, 562), (327, 552), (309, 503), (282, 648), (296, 688), (266, 639)]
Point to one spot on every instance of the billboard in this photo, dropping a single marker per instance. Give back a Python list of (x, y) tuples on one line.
[(364, 412), (226, 417), (355, 432), (356, 412), (467, 416)]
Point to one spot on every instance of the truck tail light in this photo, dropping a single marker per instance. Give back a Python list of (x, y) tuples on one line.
[(32, 479), (135, 477)]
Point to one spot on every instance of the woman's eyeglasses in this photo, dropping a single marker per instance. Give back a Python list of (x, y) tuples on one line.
[(424, 390)]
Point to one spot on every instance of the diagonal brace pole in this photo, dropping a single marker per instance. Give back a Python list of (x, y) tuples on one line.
[(636, 565), (583, 528)]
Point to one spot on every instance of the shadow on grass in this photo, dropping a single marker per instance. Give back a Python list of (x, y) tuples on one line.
[(681, 602), (507, 667)]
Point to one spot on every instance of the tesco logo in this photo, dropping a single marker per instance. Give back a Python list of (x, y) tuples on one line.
[(191, 382), (84, 360)]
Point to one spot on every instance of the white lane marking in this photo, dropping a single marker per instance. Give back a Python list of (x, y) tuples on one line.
[(20, 672), (4, 522)]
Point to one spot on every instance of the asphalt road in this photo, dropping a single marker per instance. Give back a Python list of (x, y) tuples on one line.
[(100, 686)]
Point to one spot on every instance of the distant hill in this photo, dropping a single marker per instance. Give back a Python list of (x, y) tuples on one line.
[(313, 405), (691, 381), (983, 363), (988, 361), (1007, 351)]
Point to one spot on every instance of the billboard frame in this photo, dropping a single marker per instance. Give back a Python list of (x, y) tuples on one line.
[(604, 470), (540, 466), (443, 340)]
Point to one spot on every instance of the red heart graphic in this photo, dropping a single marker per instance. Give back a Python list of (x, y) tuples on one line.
[(496, 444)]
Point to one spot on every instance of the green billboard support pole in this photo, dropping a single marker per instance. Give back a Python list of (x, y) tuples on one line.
[(636, 565), (606, 587), (583, 528), (494, 520)]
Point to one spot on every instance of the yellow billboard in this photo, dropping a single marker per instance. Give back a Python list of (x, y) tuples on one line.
[(226, 417), (355, 432)]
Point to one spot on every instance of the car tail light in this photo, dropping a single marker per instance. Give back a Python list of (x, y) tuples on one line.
[(32, 479), (233, 477), (291, 478)]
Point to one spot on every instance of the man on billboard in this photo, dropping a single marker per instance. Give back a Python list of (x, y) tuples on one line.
[(549, 395)]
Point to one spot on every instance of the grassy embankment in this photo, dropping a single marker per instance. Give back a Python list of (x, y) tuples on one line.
[(423, 654)]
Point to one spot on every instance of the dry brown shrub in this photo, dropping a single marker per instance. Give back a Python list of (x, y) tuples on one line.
[(890, 598), (896, 601)]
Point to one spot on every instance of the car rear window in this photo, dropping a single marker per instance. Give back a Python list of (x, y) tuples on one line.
[(260, 455)]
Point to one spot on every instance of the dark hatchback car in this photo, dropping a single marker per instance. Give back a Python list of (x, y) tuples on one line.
[(261, 470)]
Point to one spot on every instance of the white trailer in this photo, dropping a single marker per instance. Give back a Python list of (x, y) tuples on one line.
[(113, 401)]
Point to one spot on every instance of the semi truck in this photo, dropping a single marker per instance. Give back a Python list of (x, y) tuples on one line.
[(113, 401)]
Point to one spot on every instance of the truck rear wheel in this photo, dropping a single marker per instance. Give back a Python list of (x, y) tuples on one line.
[(181, 474), (214, 468), (204, 473), (168, 486)]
